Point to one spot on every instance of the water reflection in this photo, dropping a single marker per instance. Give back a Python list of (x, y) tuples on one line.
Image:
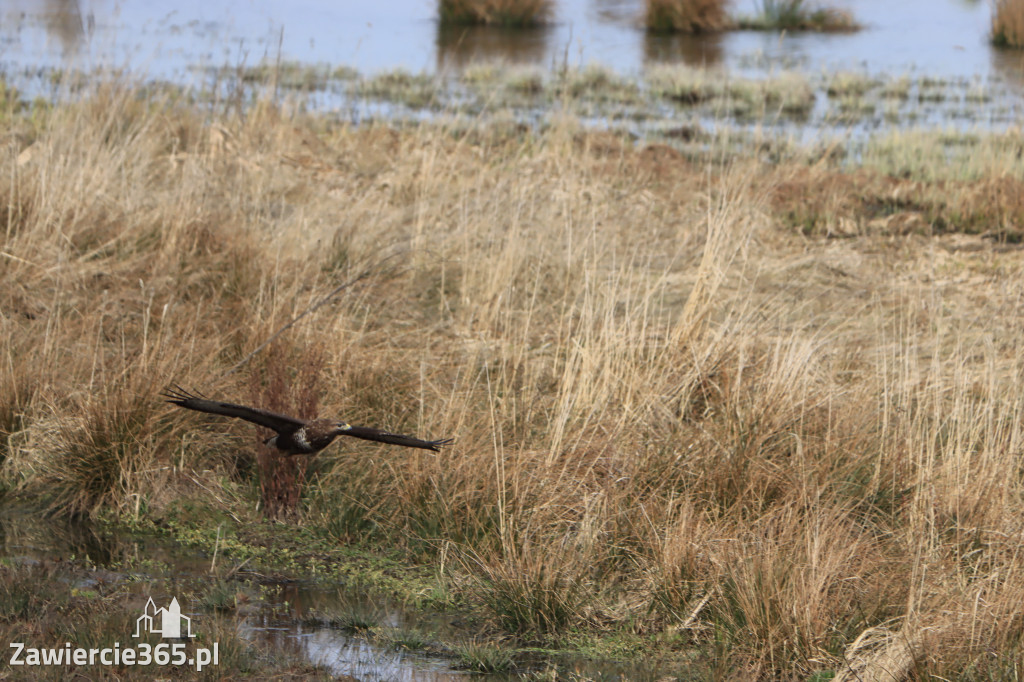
[(626, 13), (64, 28), (458, 46), (344, 655), (368, 661), (64, 22), (1009, 64), (292, 625), (698, 51), (25, 535)]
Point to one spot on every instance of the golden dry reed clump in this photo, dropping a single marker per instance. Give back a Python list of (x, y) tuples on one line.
[(511, 13), (1008, 23), (686, 16)]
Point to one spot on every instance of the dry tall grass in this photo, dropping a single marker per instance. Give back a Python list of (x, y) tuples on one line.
[(686, 16), (1008, 23), (510, 13), (673, 413)]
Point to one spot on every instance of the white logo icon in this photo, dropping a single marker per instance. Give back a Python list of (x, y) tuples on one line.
[(165, 622)]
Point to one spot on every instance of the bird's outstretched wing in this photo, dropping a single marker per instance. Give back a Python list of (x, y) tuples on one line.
[(272, 420), (369, 433)]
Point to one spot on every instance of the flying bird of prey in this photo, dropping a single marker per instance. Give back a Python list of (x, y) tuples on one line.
[(296, 436)]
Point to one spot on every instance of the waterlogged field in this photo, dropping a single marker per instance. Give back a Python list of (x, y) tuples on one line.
[(716, 412), (60, 619)]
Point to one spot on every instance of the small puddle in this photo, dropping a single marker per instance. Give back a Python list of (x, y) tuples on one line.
[(291, 627), (288, 619), (344, 655)]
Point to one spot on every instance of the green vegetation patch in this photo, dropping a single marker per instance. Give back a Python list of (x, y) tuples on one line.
[(797, 15)]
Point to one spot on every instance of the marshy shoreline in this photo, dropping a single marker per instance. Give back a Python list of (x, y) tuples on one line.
[(741, 414)]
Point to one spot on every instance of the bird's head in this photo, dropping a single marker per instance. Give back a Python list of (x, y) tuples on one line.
[(341, 427)]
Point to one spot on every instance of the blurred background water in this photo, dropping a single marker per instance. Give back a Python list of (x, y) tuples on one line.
[(942, 38)]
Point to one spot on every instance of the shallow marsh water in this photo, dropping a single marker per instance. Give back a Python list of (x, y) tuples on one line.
[(289, 627), (940, 47), (283, 622), (943, 38)]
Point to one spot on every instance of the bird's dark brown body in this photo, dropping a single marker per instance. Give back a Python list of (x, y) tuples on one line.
[(313, 437), (297, 436)]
